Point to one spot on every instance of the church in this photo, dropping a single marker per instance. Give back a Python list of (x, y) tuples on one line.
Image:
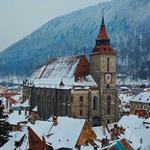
[(76, 87)]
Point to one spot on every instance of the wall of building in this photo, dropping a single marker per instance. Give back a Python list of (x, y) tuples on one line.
[(86, 109), (98, 68), (138, 106), (113, 114), (51, 102)]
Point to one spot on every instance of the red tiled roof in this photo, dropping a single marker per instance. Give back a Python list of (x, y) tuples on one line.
[(103, 33), (12, 101), (8, 94)]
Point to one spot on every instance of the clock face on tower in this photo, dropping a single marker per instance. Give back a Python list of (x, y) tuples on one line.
[(107, 78)]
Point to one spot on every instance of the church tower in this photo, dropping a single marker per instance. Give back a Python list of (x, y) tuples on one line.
[(103, 70)]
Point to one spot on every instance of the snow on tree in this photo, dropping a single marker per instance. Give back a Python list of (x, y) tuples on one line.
[(4, 126)]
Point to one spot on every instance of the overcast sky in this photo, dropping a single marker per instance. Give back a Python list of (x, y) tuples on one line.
[(18, 18)]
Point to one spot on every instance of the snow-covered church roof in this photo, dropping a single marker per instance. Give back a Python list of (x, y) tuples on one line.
[(62, 67), (64, 72)]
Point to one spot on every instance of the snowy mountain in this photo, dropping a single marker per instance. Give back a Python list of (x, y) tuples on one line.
[(127, 24)]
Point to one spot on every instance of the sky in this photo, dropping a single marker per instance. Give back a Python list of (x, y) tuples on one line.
[(19, 18)]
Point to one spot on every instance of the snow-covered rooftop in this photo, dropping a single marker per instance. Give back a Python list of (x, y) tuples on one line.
[(62, 70), (25, 104), (15, 117), (17, 98), (125, 97), (67, 83), (64, 134), (62, 67), (35, 109), (102, 132), (143, 97), (137, 132), (16, 136)]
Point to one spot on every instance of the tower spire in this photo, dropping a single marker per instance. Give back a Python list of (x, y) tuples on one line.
[(103, 22), (102, 40), (103, 33)]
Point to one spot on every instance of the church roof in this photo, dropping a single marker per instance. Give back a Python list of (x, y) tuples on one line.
[(64, 72), (103, 42), (62, 67), (103, 33)]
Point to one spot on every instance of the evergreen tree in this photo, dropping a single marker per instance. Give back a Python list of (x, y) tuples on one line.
[(4, 126)]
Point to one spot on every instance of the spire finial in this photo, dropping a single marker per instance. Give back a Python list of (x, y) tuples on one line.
[(103, 23), (84, 50)]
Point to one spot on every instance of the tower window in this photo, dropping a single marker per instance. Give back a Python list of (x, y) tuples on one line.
[(81, 105), (95, 103), (108, 63), (109, 105), (108, 86)]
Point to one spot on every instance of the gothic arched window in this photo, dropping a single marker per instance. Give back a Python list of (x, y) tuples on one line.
[(95, 103), (109, 105), (49, 102), (108, 63), (66, 109), (81, 105)]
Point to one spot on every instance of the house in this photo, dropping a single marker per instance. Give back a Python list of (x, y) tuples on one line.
[(64, 132), (140, 104), (137, 131), (17, 119), (124, 103), (76, 87)]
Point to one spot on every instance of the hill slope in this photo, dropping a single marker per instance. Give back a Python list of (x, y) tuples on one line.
[(127, 24)]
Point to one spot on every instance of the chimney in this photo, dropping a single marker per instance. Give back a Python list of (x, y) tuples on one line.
[(19, 112), (95, 147), (33, 117), (55, 120), (25, 112), (141, 140)]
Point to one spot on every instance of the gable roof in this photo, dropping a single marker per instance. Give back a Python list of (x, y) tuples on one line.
[(71, 71), (64, 135), (61, 67)]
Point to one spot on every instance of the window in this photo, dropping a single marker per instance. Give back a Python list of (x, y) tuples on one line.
[(42, 101), (67, 102), (95, 103), (49, 102), (109, 105), (107, 86), (96, 121), (108, 62), (108, 121), (81, 112), (38, 99), (81, 105)]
